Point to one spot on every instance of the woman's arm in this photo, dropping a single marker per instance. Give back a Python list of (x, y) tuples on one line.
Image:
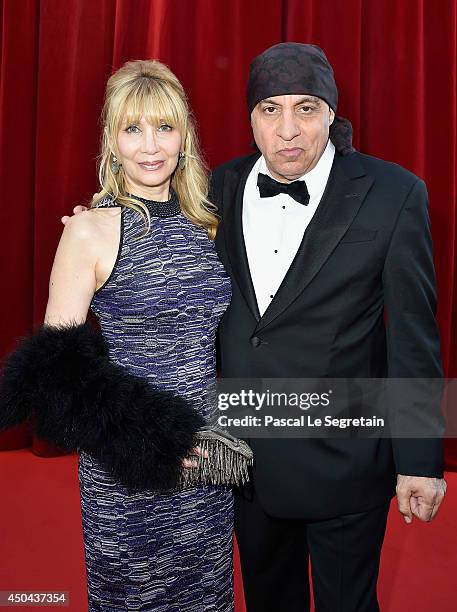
[(73, 277), (28, 368)]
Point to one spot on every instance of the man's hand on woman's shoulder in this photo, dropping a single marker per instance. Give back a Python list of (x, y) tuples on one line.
[(76, 211)]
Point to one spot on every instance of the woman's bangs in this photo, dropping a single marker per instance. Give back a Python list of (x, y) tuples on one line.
[(152, 103)]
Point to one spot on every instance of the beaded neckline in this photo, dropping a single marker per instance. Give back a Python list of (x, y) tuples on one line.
[(170, 208)]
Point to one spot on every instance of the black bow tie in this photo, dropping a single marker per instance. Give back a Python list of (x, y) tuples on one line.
[(268, 188)]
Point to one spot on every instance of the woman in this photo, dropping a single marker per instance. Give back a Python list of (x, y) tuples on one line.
[(143, 261)]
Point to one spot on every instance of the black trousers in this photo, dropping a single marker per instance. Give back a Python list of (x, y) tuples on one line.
[(344, 553)]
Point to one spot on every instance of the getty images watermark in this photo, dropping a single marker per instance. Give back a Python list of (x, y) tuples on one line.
[(339, 407), (256, 401)]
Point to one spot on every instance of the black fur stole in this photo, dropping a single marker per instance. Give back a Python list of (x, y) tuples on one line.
[(62, 378)]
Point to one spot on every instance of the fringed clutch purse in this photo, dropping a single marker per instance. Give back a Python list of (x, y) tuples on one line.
[(228, 461)]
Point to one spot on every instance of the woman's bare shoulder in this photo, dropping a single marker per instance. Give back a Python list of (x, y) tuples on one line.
[(93, 223)]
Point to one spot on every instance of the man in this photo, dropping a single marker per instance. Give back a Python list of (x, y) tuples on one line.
[(318, 239)]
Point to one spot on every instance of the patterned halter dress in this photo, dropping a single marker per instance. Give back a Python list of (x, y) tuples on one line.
[(159, 310)]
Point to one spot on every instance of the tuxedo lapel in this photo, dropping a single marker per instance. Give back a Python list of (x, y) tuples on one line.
[(346, 189), (234, 184)]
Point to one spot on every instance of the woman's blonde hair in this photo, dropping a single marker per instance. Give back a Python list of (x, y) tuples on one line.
[(148, 88)]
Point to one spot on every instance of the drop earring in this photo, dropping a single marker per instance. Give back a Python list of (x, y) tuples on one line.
[(114, 165), (181, 160)]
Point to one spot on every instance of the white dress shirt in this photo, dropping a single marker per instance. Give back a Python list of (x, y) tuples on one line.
[(273, 228)]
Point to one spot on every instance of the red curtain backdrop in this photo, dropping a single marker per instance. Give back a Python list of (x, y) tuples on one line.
[(395, 65)]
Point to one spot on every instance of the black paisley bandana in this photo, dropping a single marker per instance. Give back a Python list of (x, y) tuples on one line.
[(296, 68)]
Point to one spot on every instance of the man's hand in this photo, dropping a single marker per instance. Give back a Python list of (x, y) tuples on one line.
[(189, 463), (419, 496), (76, 211)]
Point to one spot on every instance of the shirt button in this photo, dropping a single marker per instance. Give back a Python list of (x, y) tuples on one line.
[(284, 208), (271, 296), (276, 251)]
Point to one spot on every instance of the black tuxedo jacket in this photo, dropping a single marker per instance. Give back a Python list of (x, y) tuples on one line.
[(367, 248)]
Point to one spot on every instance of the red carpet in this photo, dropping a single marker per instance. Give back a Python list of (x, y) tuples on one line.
[(41, 540)]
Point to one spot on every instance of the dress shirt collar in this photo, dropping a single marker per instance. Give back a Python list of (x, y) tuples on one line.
[(315, 179)]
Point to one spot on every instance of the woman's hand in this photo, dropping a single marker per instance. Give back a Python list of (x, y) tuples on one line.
[(197, 452)]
